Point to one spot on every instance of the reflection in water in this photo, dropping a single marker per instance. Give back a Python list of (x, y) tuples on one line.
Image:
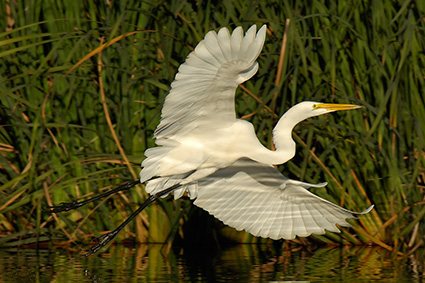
[(241, 263)]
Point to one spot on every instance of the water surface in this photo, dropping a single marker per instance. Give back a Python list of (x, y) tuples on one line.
[(240, 263)]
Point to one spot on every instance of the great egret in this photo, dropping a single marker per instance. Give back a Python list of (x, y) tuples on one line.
[(218, 160)]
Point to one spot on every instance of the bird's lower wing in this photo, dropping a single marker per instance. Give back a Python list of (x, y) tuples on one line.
[(257, 198)]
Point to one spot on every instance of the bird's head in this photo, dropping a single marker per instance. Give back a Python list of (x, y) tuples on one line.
[(309, 109), (300, 112)]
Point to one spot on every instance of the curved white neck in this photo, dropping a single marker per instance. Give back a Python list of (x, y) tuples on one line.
[(282, 138)]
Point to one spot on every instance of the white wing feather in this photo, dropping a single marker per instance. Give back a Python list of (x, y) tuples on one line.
[(204, 87), (257, 198), (200, 104)]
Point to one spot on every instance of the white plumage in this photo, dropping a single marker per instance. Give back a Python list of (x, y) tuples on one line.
[(198, 115), (205, 151), (257, 198)]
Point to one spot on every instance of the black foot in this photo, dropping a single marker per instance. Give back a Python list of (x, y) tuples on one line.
[(103, 241), (67, 206)]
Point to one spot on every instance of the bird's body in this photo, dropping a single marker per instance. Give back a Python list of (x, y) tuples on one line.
[(204, 150), (200, 153)]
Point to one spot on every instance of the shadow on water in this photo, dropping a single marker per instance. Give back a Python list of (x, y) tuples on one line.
[(240, 263)]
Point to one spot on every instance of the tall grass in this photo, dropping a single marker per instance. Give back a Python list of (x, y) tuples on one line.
[(82, 85)]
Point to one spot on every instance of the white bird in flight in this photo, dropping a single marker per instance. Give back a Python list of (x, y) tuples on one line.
[(204, 150)]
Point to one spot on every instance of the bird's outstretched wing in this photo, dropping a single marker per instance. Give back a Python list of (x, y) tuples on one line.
[(257, 198), (202, 94)]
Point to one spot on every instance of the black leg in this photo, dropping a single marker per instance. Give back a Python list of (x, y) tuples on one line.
[(72, 205), (105, 239)]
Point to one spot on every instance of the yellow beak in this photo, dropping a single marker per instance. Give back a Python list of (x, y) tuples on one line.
[(335, 107)]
